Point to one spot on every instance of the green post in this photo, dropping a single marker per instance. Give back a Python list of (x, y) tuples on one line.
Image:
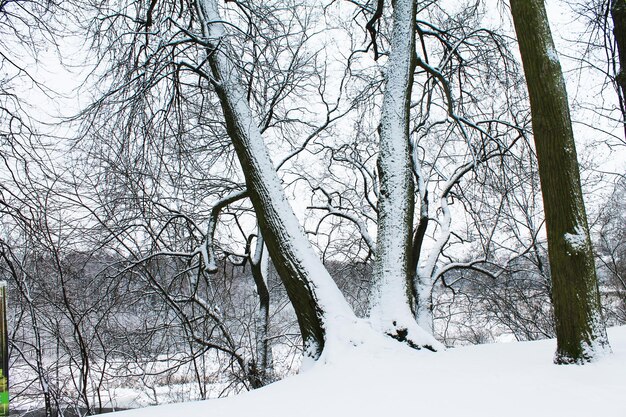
[(4, 352)]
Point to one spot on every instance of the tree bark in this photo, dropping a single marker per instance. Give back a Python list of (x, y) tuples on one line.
[(618, 15), (580, 329), (263, 361), (391, 296), (317, 301)]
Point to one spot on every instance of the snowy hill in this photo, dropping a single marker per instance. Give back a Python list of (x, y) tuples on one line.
[(514, 379)]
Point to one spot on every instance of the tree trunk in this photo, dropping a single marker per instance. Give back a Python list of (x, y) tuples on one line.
[(317, 301), (581, 334), (391, 296), (261, 374), (618, 15)]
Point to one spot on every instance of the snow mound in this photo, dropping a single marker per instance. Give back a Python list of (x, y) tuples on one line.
[(512, 379)]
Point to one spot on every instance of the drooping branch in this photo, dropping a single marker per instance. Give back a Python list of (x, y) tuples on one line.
[(207, 248)]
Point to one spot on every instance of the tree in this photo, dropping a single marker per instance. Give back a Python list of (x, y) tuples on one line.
[(612, 253), (164, 92), (317, 301), (458, 145), (391, 298), (618, 15), (322, 311), (602, 50), (580, 330)]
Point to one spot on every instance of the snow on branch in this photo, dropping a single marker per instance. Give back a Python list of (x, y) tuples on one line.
[(207, 248)]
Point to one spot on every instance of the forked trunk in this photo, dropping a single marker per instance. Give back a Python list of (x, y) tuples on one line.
[(391, 296)]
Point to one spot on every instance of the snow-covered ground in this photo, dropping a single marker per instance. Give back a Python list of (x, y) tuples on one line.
[(385, 378)]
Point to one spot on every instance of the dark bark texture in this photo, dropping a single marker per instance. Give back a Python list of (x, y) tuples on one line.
[(278, 240), (279, 226), (579, 326)]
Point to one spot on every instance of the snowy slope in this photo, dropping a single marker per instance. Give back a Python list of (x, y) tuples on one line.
[(515, 379)]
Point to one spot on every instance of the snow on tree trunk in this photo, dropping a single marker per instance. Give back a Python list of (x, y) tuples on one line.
[(426, 274), (581, 334), (263, 362), (422, 280), (320, 307), (424, 306), (391, 292)]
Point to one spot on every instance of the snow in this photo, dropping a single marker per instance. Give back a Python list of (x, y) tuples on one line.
[(576, 241), (387, 378), (552, 54)]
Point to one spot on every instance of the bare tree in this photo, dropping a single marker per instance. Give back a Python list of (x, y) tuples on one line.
[(612, 255), (580, 329)]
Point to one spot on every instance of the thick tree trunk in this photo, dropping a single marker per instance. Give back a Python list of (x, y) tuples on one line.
[(317, 301), (581, 334), (391, 296)]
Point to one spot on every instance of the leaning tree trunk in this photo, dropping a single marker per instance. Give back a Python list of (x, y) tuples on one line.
[(618, 15), (317, 301), (391, 291), (580, 329)]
